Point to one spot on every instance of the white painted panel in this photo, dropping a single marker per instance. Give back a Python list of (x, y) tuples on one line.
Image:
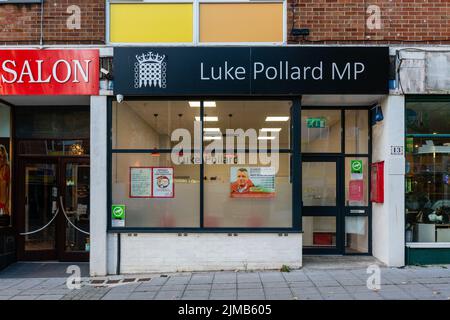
[(209, 251)]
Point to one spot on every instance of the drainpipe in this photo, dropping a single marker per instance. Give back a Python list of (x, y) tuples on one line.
[(118, 254), (41, 41)]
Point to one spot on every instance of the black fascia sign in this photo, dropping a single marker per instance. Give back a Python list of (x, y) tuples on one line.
[(196, 71)]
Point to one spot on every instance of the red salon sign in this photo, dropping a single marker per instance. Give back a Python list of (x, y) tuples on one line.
[(49, 72)]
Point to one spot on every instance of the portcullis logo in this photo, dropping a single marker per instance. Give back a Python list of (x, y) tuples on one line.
[(150, 70)]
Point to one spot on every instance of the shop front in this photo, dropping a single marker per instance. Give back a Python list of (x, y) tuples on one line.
[(427, 170), (47, 97), (239, 157)]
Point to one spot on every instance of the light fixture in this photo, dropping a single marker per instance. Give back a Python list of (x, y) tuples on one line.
[(77, 149), (209, 104), (206, 104), (211, 129), (208, 138), (266, 138), (376, 114), (277, 118), (206, 118), (194, 104), (270, 130)]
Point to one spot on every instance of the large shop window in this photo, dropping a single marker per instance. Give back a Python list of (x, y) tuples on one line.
[(201, 164), (427, 169), (53, 131)]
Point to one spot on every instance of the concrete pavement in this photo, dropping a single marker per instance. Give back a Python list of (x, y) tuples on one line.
[(316, 281)]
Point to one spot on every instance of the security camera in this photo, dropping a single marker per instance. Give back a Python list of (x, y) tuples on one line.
[(119, 98)]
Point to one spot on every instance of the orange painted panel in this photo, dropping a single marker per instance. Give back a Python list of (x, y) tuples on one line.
[(241, 22)]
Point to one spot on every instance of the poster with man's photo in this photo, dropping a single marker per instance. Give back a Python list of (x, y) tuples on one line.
[(252, 182), (5, 177)]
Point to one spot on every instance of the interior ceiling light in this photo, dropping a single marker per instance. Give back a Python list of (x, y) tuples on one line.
[(206, 104), (276, 118), (206, 118), (212, 138), (211, 129), (270, 130)]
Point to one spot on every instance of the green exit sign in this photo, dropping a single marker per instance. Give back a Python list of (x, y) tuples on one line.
[(315, 122)]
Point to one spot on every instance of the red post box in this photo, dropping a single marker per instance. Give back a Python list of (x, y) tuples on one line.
[(377, 182)]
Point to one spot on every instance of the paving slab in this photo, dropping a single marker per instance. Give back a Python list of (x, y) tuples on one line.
[(50, 297), (168, 295)]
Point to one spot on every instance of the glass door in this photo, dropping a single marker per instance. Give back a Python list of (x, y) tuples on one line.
[(54, 213), (75, 215), (38, 209), (321, 198)]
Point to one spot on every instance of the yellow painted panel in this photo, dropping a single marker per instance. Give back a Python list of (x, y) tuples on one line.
[(151, 22), (241, 22)]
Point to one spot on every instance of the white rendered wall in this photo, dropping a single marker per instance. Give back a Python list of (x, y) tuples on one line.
[(168, 252), (98, 252), (388, 218)]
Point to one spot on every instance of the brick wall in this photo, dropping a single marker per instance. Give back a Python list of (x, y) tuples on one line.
[(21, 23), (344, 21)]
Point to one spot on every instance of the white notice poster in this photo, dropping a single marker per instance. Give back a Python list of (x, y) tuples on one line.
[(140, 182)]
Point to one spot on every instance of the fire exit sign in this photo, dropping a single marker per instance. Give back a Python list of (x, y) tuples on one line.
[(315, 123)]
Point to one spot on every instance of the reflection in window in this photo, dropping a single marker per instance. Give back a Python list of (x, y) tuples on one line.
[(321, 131), (319, 183), (427, 172), (59, 122), (356, 234), (319, 232), (246, 196), (356, 131), (53, 147), (179, 211), (249, 188), (149, 124)]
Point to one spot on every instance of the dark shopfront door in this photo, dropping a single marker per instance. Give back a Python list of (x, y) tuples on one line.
[(53, 208), (321, 210), (336, 213)]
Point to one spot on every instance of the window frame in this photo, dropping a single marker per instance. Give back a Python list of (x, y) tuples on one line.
[(195, 23), (293, 151)]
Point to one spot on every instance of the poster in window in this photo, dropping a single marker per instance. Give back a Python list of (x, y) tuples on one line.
[(5, 177), (140, 182), (163, 186), (356, 192), (252, 182)]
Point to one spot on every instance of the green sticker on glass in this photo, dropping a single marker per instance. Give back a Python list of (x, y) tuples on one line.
[(356, 166), (118, 215)]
